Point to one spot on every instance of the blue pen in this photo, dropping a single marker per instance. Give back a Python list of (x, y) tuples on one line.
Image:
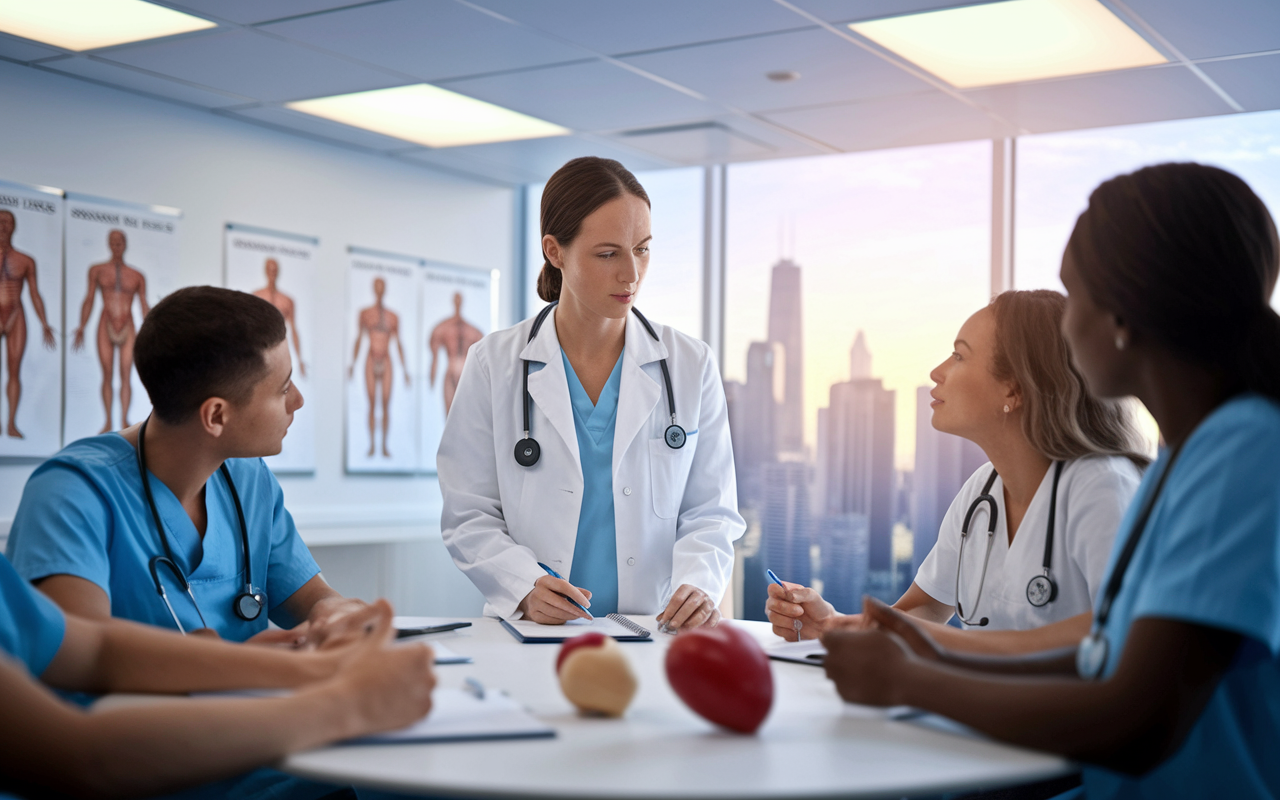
[(555, 574), (797, 623)]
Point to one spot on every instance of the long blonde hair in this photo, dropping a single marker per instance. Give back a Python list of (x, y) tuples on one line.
[(1060, 419)]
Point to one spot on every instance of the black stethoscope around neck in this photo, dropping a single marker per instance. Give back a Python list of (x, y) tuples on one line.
[(1041, 589), (527, 450), (248, 604)]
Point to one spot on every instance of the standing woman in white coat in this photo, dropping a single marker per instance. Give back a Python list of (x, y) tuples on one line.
[(614, 466)]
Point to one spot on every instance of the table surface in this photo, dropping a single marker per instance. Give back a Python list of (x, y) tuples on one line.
[(812, 745)]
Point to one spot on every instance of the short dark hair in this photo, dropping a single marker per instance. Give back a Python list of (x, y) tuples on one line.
[(573, 194), (201, 342)]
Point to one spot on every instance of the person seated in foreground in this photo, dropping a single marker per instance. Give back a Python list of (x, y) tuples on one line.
[(209, 526)]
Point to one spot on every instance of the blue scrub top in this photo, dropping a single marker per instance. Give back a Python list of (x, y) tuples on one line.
[(31, 626), (1211, 556), (595, 554), (83, 513)]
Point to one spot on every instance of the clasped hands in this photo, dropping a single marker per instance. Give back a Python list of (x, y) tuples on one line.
[(333, 622), (867, 654), (689, 607)]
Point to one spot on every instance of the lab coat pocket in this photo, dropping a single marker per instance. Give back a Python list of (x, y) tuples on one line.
[(669, 470)]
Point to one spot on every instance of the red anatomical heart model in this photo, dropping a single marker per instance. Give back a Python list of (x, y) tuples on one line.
[(722, 674)]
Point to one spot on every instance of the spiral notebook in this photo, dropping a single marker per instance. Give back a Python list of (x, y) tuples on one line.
[(615, 625)]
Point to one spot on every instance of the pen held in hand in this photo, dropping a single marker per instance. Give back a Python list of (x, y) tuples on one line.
[(576, 604)]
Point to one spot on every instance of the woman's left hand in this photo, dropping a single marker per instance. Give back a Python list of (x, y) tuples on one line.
[(690, 607)]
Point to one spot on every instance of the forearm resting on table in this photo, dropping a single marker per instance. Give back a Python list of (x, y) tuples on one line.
[(151, 748), (977, 641)]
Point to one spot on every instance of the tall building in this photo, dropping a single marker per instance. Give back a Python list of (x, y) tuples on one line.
[(859, 466), (859, 358), (786, 329), (943, 463), (785, 528), (843, 542), (761, 399)]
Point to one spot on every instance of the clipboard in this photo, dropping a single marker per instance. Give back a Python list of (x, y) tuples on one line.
[(615, 625)]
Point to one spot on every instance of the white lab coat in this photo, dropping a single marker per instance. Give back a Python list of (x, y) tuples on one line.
[(676, 511)]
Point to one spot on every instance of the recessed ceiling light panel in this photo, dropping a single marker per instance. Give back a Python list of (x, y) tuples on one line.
[(90, 24), (1013, 41), (428, 115)]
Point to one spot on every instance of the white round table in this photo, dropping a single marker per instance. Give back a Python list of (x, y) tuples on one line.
[(812, 745)]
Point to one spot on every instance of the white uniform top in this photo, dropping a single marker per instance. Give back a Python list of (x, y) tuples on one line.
[(1093, 494)]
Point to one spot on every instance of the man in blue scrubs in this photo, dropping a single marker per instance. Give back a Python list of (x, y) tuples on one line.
[(217, 368)]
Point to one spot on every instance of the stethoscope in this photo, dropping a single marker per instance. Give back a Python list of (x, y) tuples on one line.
[(1091, 655), (1041, 589), (527, 449), (249, 603)]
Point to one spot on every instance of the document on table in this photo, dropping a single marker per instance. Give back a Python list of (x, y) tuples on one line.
[(806, 651), (459, 716), (615, 625)]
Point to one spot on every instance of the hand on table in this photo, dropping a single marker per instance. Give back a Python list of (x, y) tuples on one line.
[(547, 605), (867, 666), (386, 687), (689, 607), (877, 615), (340, 620), (797, 603)]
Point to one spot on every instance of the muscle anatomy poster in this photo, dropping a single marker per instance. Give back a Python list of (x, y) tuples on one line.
[(121, 258), (30, 320), (458, 309), (381, 354), (281, 269)]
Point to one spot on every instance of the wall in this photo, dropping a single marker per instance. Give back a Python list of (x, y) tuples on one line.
[(373, 535)]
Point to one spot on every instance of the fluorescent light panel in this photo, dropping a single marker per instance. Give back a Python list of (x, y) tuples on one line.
[(428, 115), (1017, 40), (90, 24)]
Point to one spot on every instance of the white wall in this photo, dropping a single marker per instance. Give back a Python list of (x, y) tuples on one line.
[(80, 137)]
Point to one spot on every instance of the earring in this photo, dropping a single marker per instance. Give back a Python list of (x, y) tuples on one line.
[(1120, 342), (1006, 409)]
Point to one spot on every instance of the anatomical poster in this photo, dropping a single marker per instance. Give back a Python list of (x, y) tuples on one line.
[(380, 357), (30, 320), (459, 307), (281, 269), (121, 258)]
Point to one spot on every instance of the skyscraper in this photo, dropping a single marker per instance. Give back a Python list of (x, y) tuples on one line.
[(943, 463), (785, 529), (761, 399), (859, 468), (843, 542), (785, 328), (859, 358)]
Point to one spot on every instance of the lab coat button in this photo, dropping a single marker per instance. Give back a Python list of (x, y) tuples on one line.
[(631, 562), (627, 491)]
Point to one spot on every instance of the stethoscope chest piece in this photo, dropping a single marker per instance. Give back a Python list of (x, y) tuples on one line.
[(527, 452), (675, 437), (248, 605), (1041, 591), (1091, 655)]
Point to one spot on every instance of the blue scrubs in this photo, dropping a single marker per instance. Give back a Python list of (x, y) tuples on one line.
[(83, 513), (595, 554), (1211, 556), (31, 626)]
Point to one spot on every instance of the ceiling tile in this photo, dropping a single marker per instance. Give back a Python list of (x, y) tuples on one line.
[(430, 40), (315, 126), (1220, 28), (832, 70), (127, 78), (586, 97), (924, 118), (859, 10), (462, 163), (254, 65), (19, 49), (615, 27), (698, 143), (1253, 82), (1111, 98), (539, 158), (247, 12)]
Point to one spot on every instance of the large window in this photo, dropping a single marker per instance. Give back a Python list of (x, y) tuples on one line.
[(672, 290), (1056, 173), (848, 277)]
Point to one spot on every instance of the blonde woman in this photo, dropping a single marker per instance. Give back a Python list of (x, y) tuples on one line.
[(1025, 543)]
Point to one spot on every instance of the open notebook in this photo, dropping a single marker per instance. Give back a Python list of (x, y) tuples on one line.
[(459, 716), (615, 625), (807, 651)]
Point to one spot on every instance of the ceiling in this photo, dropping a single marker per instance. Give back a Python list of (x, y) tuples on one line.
[(662, 83)]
